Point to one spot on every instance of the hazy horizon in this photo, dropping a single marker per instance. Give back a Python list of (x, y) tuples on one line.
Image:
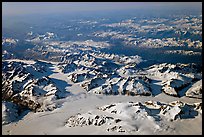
[(26, 8)]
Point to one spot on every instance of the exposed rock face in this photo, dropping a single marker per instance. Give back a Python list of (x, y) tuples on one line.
[(96, 70), (10, 112), (133, 116), (173, 86), (99, 69), (124, 86), (25, 85), (37, 38), (94, 83), (79, 77), (70, 67), (70, 57), (176, 77), (183, 52), (179, 68), (88, 119), (9, 41), (88, 61), (195, 91), (120, 59), (98, 73)]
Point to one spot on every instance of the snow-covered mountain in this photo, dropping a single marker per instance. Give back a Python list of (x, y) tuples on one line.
[(125, 72), (133, 117), (28, 85)]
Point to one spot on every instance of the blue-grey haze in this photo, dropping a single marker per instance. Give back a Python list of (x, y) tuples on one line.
[(20, 8)]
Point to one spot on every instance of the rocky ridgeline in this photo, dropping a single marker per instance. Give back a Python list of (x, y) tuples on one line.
[(119, 59), (97, 72), (122, 86), (179, 68), (177, 77), (110, 74), (98, 61), (195, 91), (133, 116), (28, 86), (183, 52), (72, 62), (9, 41)]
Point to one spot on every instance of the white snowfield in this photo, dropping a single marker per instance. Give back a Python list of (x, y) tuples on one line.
[(130, 116), (92, 94)]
